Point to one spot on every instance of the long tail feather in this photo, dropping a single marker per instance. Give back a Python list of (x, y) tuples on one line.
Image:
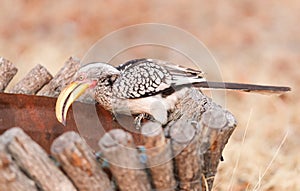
[(243, 87)]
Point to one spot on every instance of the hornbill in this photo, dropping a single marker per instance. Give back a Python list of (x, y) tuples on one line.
[(141, 86)]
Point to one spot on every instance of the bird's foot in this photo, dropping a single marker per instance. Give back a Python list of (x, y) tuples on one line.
[(114, 117), (139, 120)]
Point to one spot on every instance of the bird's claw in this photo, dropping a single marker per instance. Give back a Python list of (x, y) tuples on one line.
[(138, 120)]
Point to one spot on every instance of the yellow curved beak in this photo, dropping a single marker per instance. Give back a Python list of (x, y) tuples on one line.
[(67, 96)]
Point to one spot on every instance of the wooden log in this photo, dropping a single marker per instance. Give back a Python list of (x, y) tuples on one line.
[(33, 160), (216, 127), (120, 152), (191, 106), (213, 136), (61, 79), (188, 161), (79, 163), (159, 157), (33, 81), (11, 177), (7, 72)]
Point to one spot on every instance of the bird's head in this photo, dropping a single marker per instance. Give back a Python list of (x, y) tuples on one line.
[(86, 78)]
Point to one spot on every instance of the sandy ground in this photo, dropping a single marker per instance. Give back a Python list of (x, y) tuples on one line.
[(252, 41)]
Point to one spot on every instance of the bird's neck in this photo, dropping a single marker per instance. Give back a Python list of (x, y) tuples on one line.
[(103, 95)]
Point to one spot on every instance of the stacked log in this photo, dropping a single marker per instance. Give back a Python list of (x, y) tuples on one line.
[(7, 72), (33, 81), (34, 162)]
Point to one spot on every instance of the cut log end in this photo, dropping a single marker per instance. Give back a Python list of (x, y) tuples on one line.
[(182, 132), (62, 142), (215, 118)]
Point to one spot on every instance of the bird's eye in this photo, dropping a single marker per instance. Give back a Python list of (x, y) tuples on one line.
[(80, 78)]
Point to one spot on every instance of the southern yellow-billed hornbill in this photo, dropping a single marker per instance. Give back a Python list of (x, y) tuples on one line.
[(141, 86)]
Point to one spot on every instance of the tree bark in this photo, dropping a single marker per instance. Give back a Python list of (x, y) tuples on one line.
[(34, 161), (33, 81), (187, 158), (7, 72), (61, 79), (216, 128), (11, 177), (159, 157), (119, 151), (79, 163)]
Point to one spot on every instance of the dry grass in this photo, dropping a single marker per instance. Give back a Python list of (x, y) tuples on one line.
[(253, 41)]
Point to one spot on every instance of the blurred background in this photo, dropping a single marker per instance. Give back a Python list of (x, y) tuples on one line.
[(252, 41)]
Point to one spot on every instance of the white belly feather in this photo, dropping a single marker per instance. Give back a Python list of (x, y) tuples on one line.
[(157, 106)]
